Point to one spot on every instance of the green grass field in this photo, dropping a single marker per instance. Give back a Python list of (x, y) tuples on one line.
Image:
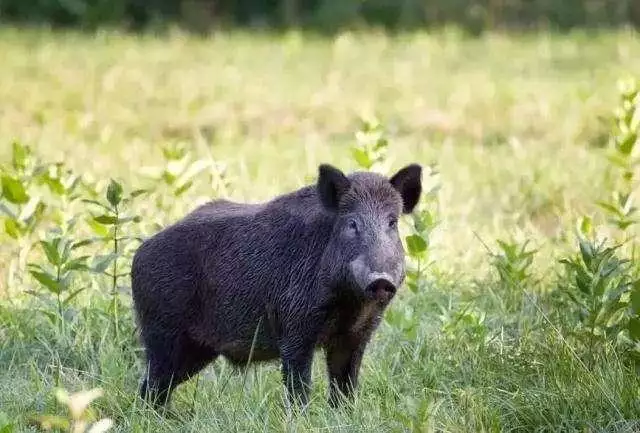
[(513, 125)]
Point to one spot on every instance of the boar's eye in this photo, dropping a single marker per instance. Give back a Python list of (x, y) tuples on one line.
[(352, 225), (393, 222)]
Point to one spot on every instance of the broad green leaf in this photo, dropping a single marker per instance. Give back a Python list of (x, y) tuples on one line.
[(416, 245), (13, 190), (99, 229), (77, 264), (106, 219), (610, 208), (12, 228), (51, 250), (114, 193), (362, 158), (48, 281), (586, 226)]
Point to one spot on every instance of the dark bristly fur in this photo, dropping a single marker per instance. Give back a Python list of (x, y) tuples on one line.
[(312, 268)]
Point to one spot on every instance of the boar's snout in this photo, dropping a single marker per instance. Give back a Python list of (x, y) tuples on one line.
[(380, 286)]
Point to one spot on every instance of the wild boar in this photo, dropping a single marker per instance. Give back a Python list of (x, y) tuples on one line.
[(313, 268)]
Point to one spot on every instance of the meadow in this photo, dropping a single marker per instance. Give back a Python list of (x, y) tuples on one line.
[(513, 318)]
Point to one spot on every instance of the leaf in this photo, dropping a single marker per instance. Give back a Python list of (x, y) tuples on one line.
[(20, 155), (48, 281), (182, 189), (413, 287), (78, 264), (69, 298), (101, 263), (114, 193), (138, 192), (51, 250), (51, 315), (13, 190), (416, 245), (610, 208), (106, 219), (97, 203), (586, 226), (634, 328), (12, 228), (99, 229), (54, 183), (362, 158), (86, 242)]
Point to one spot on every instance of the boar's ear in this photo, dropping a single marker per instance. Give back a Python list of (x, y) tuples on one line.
[(408, 182), (332, 183)]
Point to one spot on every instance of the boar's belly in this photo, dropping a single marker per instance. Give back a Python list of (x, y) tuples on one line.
[(240, 352)]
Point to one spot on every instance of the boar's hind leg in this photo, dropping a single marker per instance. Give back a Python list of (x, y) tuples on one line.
[(170, 364), (343, 365)]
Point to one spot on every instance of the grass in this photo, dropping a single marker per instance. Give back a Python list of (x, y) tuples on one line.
[(512, 123)]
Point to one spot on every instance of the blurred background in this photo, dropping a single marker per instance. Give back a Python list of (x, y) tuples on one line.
[(327, 15)]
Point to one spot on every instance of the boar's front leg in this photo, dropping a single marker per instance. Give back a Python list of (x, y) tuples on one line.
[(297, 359), (344, 356)]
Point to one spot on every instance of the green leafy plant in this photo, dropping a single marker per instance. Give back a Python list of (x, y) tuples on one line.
[(80, 418), (21, 212), (422, 223), (56, 276), (371, 147), (623, 156), (513, 263), (601, 285), (109, 224), (466, 325)]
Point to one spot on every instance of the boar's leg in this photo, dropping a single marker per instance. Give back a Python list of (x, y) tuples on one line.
[(297, 359), (170, 364), (344, 355)]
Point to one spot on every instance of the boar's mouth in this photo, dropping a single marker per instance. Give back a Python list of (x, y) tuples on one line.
[(381, 288)]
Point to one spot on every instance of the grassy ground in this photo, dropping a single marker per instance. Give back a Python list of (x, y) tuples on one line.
[(513, 126)]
